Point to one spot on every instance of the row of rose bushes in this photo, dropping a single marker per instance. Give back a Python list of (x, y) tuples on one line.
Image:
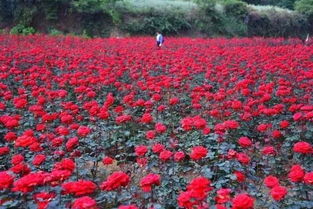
[(117, 123)]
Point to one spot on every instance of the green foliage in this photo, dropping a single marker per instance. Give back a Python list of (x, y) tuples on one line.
[(235, 8), (89, 6), (51, 9), (93, 7), (211, 17), (55, 32), (96, 25), (168, 24), (22, 29), (25, 15), (269, 21), (280, 3), (305, 7), (232, 27), (165, 6), (222, 18)]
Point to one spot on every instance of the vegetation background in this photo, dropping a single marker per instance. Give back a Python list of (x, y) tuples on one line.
[(104, 18)]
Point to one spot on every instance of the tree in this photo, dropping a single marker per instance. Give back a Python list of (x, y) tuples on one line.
[(306, 7)]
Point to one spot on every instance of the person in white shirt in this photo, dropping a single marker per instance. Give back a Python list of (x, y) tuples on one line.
[(159, 39)]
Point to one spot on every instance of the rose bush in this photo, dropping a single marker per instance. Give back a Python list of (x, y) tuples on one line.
[(117, 123)]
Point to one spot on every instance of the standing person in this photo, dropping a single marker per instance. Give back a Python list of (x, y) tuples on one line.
[(159, 39)]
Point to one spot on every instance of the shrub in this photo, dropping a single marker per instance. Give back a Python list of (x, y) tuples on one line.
[(168, 24), (235, 8), (223, 18), (274, 21), (22, 29), (306, 7), (55, 32)]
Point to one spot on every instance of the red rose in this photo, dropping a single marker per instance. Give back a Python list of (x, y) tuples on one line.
[(57, 176), (4, 150), (39, 159), (243, 158), (160, 128), (187, 123), (16, 159), (296, 173), (240, 176), (142, 161), (6, 180), (276, 134), (268, 150), (284, 124), (165, 155), (150, 134), (115, 180), (262, 127), (141, 150), (302, 147), (43, 198), (174, 101), (40, 127), (161, 108), (71, 143), (178, 156), (84, 202), (198, 152), (63, 131), (103, 114), (28, 182), (206, 131), (65, 164), (56, 142), (20, 168), (107, 161), (128, 207), (67, 119), (236, 105), (244, 141), (10, 136), (83, 131), (231, 124), (308, 178), (198, 122), (20, 103), (25, 141), (185, 200), (243, 201), (297, 116), (157, 148), (146, 118), (123, 119), (278, 192), (223, 196), (199, 187), (80, 187), (148, 181), (271, 181), (220, 206)]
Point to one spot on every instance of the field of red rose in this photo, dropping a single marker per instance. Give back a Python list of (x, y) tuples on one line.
[(118, 123)]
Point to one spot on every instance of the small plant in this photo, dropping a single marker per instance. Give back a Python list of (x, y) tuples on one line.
[(55, 32), (22, 29)]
